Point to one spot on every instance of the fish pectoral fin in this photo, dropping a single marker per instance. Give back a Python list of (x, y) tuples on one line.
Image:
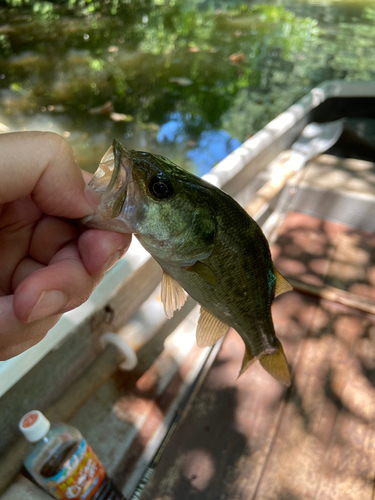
[(276, 365), (209, 329), (173, 296), (282, 285), (204, 271)]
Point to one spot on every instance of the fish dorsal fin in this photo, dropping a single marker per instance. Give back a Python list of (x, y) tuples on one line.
[(276, 364), (209, 329), (173, 296), (204, 271), (282, 285)]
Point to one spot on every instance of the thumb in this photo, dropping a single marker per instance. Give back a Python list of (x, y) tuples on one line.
[(42, 164)]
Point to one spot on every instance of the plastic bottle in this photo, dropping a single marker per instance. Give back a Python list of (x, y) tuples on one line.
[(60, 460)]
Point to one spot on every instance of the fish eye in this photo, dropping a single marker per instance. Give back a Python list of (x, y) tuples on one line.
[(160, 187)]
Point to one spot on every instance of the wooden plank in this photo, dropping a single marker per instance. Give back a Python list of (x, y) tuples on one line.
[(127, 299), (283, 169), (220, 447), (324, 447), (126, 418), (319, 252), (349, 471), (335, 295), (247, 439), (346, 208), (305, 246), (156, 398), (287, 445), (341, 174), (350, 464)]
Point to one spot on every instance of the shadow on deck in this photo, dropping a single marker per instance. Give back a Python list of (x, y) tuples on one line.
[(252, 438)]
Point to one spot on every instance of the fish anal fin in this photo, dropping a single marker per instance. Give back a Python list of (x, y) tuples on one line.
[(209, 329), (276, 365), (204, 271), (282, 285), (173, 296)]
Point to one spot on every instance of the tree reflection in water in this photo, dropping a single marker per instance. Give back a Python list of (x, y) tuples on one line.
[(221, 68)]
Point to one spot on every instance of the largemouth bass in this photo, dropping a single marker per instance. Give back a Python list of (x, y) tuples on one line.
[(206, 244)]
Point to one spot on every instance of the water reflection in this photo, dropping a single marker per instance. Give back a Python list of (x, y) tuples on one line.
[(212, 147), (183, 78), (173, 130)]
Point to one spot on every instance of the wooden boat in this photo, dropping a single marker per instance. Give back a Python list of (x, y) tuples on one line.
[(179, 424)]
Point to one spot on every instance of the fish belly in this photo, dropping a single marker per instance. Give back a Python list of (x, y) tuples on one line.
[(233, 301)]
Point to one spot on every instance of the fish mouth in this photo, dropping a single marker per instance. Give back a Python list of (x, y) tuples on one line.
[(111, 182)]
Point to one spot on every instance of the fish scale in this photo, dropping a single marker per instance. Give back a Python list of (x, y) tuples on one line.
[(243, 294)]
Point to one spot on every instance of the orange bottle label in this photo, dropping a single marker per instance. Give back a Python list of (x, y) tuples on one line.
[(80, 477)]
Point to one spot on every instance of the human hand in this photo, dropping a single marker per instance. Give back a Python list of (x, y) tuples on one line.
[(48, 265)]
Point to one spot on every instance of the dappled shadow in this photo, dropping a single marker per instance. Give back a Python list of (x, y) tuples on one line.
[(253, 438), (326, 438), (197, 461), (326, 253), (341, 174), (217, 439)]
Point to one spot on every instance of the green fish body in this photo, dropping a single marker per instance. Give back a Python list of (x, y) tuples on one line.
[(206, 245)]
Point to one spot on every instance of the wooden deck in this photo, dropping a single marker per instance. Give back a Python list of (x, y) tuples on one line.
[(253, 439)]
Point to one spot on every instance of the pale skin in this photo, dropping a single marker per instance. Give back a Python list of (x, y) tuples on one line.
[(48, 263)]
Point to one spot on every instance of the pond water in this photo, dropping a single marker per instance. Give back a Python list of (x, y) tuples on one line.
[(187, 79)]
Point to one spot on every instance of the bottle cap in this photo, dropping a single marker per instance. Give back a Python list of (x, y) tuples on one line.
[(34, 426)]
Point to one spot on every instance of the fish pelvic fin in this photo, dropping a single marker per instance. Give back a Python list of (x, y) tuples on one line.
[(173, 296), (276, 364), (209, 329), (282, 285)]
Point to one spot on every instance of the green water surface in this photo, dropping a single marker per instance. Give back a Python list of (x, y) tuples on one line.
[(187, 79)]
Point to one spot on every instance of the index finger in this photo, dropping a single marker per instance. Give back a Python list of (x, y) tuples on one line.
[(42, 164)]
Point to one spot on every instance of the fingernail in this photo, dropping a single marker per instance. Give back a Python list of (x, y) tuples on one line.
[(112, 261), (49, 303)]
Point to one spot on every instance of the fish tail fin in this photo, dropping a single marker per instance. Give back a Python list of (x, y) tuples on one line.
[(276, 364), (247, 361)]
